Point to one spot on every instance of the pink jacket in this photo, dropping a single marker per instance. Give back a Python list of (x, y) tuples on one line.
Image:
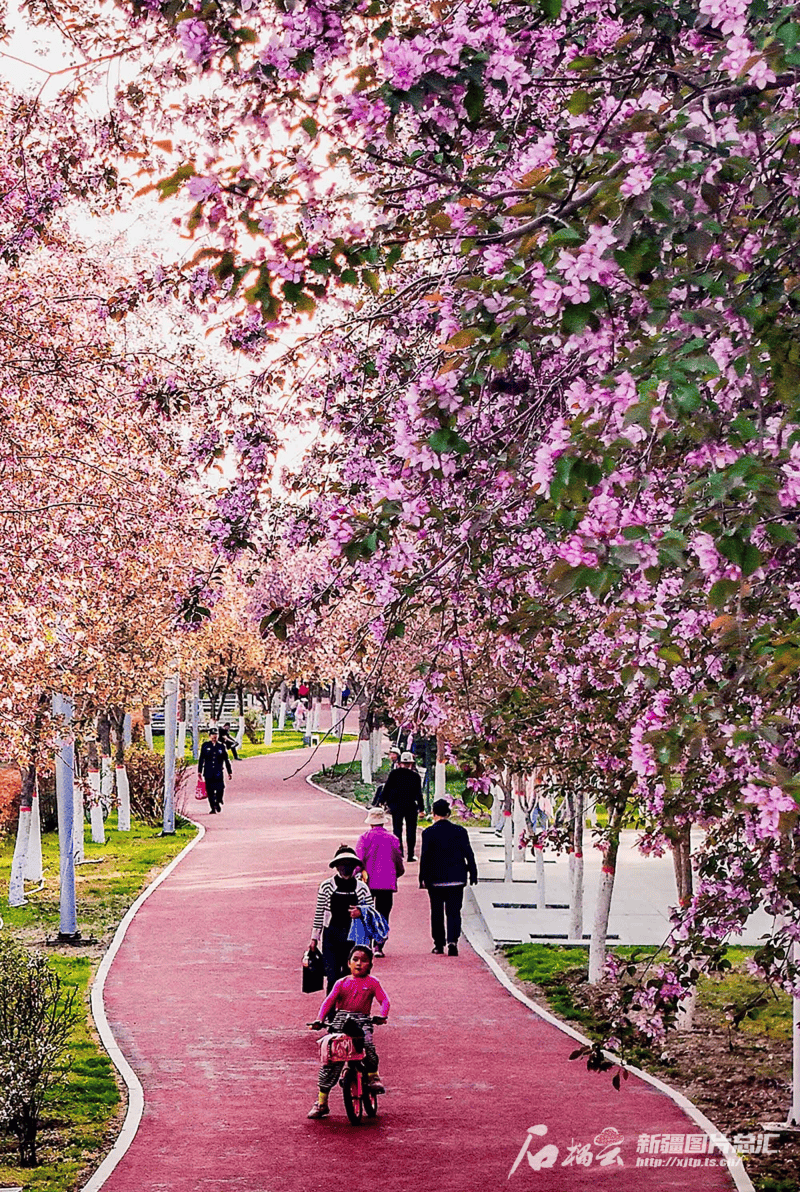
[(383, 858)]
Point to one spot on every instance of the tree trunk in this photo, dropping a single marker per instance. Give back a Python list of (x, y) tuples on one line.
[(196, 717), (282, 709), (170, 728), (33, 861), (597, 946), (508, 831), (680, 836), (119, 718), (16, 885), (541, 892), (148, 727), (268, 727), (576, 867), (181, 747), (65, 762), (95, 787), (366, 762), (440, 772)]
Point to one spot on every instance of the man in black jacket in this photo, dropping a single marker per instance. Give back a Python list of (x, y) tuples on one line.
[(213, 756), (402, 794), (445, 863)]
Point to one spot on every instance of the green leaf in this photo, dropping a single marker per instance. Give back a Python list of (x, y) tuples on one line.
[(445, 441), (474, 98), (309, 125), (579, 103), (584, 63), (721, 592), (551, 8)]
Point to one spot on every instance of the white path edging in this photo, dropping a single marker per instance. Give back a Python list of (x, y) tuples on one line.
[(133, 1115), (735, 1166)]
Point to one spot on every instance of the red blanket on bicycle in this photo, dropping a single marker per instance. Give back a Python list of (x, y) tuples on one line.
[(355, 994)]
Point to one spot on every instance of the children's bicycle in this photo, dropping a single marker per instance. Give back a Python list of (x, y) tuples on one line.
[(348, 1050)]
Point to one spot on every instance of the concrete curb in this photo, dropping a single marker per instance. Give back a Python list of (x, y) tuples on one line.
[(735, 1166), (133, 1115)]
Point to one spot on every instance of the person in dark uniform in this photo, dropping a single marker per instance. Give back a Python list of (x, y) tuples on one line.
[(402, 794), (213, 756)]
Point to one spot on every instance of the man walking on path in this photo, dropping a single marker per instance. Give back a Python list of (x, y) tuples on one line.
[(382, 858), (402, 794), (445, 862), (213, 756)]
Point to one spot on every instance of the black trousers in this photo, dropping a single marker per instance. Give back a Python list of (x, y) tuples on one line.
[(335, 954), (215, 789), (446, 902), (401, 816), (383, 902)]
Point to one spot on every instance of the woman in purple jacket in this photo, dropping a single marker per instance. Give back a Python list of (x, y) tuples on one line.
[(382, 859)]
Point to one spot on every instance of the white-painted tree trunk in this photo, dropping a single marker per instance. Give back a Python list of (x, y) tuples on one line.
[(240, 734), (597, 944), (366, 766), (106, 783), (16, 883), (123, 800), (127, 731), (65, 770), (180, 749), (315, 718), (148, 736), (170, 728), (94, 780), (576, 881), (78, 821), (268, 727), (520, 824), (282, 716), (508, 838), (33, 857), (541, 893), (376, 749), (440, 779), (497, 806), (195, 717), (684, 1019)]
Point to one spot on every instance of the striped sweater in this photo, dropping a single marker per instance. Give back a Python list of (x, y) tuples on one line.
[(322, 915)]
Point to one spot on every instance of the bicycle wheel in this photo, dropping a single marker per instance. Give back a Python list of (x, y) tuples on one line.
[(352, 1101), (368, 1100)]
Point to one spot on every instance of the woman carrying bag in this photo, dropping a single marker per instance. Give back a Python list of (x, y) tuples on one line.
[(338, 901)]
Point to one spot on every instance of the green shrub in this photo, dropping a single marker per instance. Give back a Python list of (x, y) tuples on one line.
[(146, 779), (36, 1020)]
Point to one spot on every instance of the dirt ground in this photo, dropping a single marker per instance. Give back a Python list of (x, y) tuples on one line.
[(738, 1080)]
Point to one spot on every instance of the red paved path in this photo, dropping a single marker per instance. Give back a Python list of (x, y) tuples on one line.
[(203, 998)]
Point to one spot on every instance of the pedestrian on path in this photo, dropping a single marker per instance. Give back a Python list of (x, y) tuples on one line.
[(338, 900), (402, 794), (213, 758), (446, 860), (352, 998), (382, 859), (229, 741)]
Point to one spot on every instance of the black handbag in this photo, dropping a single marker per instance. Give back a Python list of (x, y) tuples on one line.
[(313, 971)]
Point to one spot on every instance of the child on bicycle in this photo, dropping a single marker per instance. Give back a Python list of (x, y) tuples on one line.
[(352, 997)]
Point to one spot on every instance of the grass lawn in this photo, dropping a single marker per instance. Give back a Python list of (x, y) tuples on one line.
[(288, 738), (735, 1064), (80, 1119), (344, 778)]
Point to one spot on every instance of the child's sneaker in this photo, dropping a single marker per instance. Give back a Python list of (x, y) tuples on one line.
[(375, 1084), (319, 1111)]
